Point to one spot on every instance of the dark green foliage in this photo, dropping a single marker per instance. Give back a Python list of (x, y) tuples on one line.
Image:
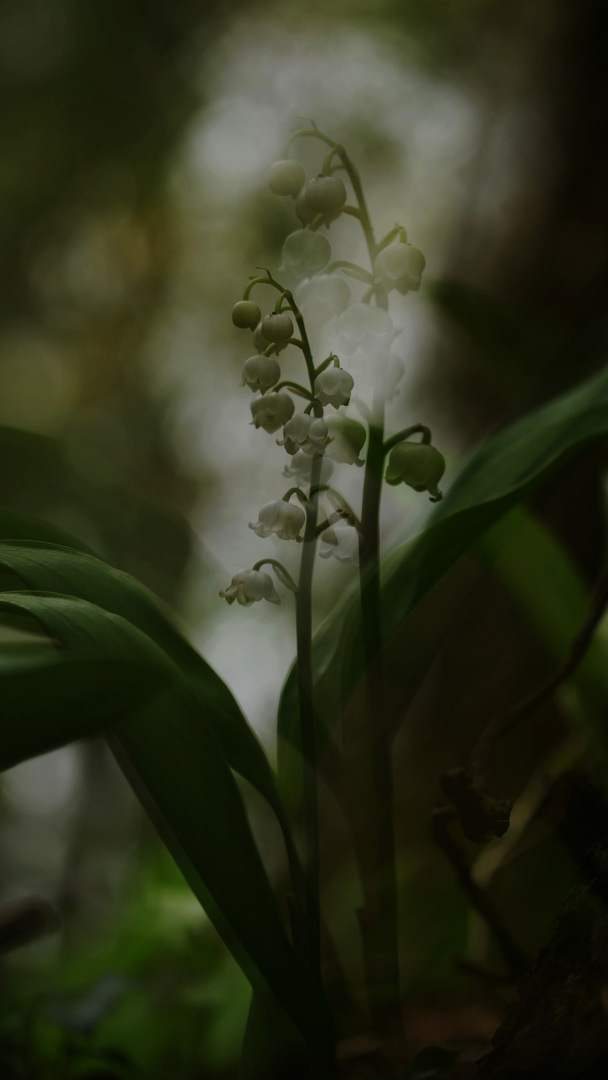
[(496, 477), (164, 718)]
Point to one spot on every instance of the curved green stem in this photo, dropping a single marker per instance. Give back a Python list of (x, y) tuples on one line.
[(295, 341), (332, 358), (308, 133), (366, 224), (352, 269), (282, 574), (398, 231), (266, 280), (401, 436), (304, 343), (295, 491), (295, 387)]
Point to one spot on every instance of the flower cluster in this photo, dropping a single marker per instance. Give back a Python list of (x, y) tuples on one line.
[(322, 315)]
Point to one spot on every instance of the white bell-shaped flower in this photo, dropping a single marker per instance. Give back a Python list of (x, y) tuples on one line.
[(272, 411), (362, 336), (400, 267), (247, 586), (340, 540), (304, 432), (322, 298), (283, 518), (260, 373), (305, 252), (299, 468), (334, 387), (364, 332)]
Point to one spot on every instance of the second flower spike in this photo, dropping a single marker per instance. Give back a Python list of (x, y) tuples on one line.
[(282, 518)]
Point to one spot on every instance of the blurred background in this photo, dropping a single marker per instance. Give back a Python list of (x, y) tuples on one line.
[(135, 141)]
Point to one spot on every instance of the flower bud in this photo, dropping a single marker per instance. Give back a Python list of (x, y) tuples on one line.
[(305, 252), (303, 432), (286, 178), (277, 328), (260, 373), (304, 212), (347, 439), (417, 465), (283, 518), (334, 387), (326, 194), (342, 541), (246, 314), (247, 586), (399, 267), (272, 412)]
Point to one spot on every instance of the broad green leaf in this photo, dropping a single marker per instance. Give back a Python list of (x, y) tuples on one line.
[(181, 774), (191, 795), (15, 526), (496, 477), (49, 699), (555, 600), (533, 564), (57, 569)]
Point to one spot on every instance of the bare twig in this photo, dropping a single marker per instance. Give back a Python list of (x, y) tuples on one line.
[(504, 722), (476, 896)]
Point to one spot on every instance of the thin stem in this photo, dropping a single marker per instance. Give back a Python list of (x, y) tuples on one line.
[(401, 436), (295, 491), (366, 225), (379, 920), (280, 571), (307, 722), (504, 722), (398, 231), (304, 344), (295, 387), (325, 364), (266, 280), (477, 897), (310, 133), (350, 268)]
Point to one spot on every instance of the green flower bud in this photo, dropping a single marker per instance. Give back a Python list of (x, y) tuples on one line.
[(305, 212), (347, 439), (326, 194), (417, 465), (246, 315), (286, 178), (277, 328)]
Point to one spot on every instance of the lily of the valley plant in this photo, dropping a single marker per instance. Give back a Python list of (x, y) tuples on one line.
[(107, 660), (335, 414)]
